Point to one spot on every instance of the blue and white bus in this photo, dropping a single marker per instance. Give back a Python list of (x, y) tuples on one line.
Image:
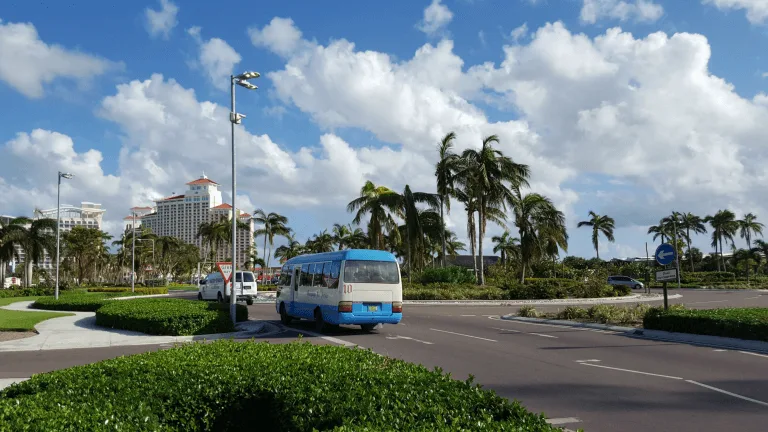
[(358, 287)]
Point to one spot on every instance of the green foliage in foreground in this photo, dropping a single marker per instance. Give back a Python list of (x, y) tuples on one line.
[(25, 292), (452, 274), (742, 323), (286, 387), (138, 290), (167, 316)]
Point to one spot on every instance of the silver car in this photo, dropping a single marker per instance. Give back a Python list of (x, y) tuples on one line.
[(625, 280)]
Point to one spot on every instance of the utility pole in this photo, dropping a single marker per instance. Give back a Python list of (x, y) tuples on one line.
[(133, 252)]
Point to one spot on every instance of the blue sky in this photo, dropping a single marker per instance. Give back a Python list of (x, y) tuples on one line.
[(591, 146)]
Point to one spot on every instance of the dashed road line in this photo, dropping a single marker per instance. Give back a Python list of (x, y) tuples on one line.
[(544, 335), (468, 315), (409, 338), (630, 371), (728, 393), (465, 335), (712, 301), (754, 354), (506, 330)]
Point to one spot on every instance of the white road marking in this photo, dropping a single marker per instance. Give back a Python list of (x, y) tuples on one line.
[(409, 338), (752, 298), (468, 315), (720, 350), (590, 360), (713, 301), (754, 354), (544, 335), (728, 393), (563, 420), (462, 334), (507, 330), (328, 338), (631, 371)]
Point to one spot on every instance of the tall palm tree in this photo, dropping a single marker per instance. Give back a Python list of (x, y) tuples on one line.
[(358, 239), (322, 242), (272, 225), (554, 237), (414, 233), (254, 259), (293, 249), (35, 238), (446, 169), (535, 217), (724, 226), (600, 224), (691, 223), (379, 203), (491, 178), (749, 226), (342, 235), (662, 230), (507, 246), (8, 249)]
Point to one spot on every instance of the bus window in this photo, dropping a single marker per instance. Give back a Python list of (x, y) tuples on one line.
[(317, 271), (332, 274), (380, 272), (285, 276), (306, 276)]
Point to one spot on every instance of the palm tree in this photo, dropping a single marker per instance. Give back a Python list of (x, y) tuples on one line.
[(254, 259), (662, 230), (535, 217), (272, 224), (749, 226), (8, 249), (410, 214), (724, 225), (554, 238), (761, 247), (322, 242), (691, 223), (379, 202), (600, 224), (35, 238), (507, 246), (341, 235), (445, 171), (358, 239), (292, 249), (491, 178)]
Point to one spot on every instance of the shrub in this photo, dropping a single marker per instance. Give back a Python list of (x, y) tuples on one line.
[(167, 316), (73, 302), (603, 313), (434, 292), (453, 274), (284, 387), (528, 311), (706, 277), (621, 290), (742, 323), (142, 291), (571, 313), (25, 292)]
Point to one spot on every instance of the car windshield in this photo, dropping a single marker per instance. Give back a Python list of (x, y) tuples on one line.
[(244, 277), (381, 272)]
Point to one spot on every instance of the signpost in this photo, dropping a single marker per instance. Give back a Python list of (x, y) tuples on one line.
[(665, 254)]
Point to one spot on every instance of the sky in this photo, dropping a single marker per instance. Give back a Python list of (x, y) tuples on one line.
[(630, 108)]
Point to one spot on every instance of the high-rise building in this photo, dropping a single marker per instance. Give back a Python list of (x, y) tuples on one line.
[(180, 216)]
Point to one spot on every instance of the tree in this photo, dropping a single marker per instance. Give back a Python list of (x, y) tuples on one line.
[(446, 169), (254, 259), (322, 242), (724, 226), (535, 216), (507, 246), (7, 245), (379, 203), (272, 224), (84, 248), (600, 224), (36, 239), (414, 233), (691, 223), (490, 177), (292, 249), (748, 227), (341, 235), (661, 230)]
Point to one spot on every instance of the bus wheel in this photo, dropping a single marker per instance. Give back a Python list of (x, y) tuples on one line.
[(368, 327), (284, 317), (320, 325)]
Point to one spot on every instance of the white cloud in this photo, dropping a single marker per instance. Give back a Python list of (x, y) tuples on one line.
[(481, 36), (436, 18), (277, 111), (281, 36), (519, 32), (27, 63), (638, 10), (757, 10), (159, 23), (217, 58)]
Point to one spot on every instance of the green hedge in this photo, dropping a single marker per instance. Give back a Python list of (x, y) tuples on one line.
[(167, 316), (535, 289), (142, 291), (85, 302), (474, 293), (226, 385), (742, 323), (706, 277), (453, 274), (25, 292)]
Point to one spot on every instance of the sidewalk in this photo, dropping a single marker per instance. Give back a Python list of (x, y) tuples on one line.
[(81, 331)]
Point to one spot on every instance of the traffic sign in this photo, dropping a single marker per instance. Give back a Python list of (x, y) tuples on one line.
[(225, 268), (148, 267), (666, 275), (665, 254)]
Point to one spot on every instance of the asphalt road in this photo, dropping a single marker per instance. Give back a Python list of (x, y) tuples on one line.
[(596, 380)]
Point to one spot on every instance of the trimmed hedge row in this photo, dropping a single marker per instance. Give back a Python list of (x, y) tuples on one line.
[(85, 302), (138, 290), (25, 292), (283, 387), (742, 323), (167, 316), (535, 289)]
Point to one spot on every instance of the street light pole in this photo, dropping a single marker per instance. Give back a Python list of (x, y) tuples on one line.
[(677, 255), (133, 252), (235, 118), (58, 227)]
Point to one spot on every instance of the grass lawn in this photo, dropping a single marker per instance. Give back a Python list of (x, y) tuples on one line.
[(23, 320), (8, 300)]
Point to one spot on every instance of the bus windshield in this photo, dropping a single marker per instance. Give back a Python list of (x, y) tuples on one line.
[(379, 272)]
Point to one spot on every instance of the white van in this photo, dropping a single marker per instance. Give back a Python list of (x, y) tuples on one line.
[(212, 287)]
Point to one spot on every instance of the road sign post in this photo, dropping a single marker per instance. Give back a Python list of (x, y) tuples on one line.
[(664, 255)]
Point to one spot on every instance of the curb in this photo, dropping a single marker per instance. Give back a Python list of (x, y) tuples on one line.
[(636, 298), (660, 335)]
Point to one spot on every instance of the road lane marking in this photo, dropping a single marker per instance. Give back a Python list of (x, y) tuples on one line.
[(713, 301), (754, 354), (507, 330), (720, 350), (563, 420), (409, 338), (728, 393), (590, 360), (631, 371), (544, 335), (468, 315), (462, 334), (752, 298)]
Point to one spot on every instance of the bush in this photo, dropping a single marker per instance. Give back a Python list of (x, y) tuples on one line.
[(284, 387), (25, 292), (453, 292), (742, 323), (142, 291), (706, 277), (72, 302), (571, 313), (167, 316), (621, 290), (453, 274), (528, 311)]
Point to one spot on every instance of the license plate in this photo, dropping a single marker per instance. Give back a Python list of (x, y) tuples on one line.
[(373, 308)]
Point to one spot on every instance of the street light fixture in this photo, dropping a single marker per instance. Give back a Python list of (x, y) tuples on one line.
[(235, 118), (58, 228)]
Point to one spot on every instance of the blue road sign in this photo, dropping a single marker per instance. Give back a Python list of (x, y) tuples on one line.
[(665, 254)]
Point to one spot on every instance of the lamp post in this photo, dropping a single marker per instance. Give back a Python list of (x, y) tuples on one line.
[(235, 118), (133, 251), (58, 228)]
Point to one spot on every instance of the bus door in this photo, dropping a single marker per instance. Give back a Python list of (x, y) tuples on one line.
[(294, 290)]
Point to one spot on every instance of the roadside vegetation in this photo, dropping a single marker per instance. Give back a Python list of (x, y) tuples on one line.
[(19, 321), (287, 387)]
